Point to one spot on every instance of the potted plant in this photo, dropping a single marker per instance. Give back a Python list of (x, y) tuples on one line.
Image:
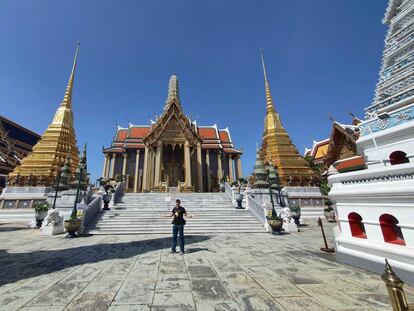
[(109, 189), (238, 196), (329, 211), (295, 210), (275, 221), (72, 225), (41, 210)]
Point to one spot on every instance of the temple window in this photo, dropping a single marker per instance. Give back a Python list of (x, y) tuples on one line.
[(398, 157), (390, 231), (356, 226)]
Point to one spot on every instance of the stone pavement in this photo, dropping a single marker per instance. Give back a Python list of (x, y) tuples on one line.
[(219, 272)]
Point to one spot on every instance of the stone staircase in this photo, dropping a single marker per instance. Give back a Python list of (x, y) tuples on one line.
[(140, 213)]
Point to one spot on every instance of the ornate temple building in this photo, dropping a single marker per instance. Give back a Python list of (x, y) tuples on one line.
[(40, 167), (278, 147), (172, 153), (16, 142)]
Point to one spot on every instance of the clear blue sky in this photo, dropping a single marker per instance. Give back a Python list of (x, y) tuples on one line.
[(323, 57)]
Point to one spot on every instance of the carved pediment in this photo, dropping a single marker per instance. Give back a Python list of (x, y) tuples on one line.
[(172, 126)]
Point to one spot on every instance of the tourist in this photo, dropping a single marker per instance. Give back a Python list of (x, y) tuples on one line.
[(178, 213)]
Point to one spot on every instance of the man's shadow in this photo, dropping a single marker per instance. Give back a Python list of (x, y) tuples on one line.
[(18, 266)]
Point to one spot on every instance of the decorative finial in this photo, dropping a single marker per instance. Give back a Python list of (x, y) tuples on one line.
[(67, 100), (173, 91), (269, 100)]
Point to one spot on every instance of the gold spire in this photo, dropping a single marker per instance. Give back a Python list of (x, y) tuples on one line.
[(67, 99), (56, 143), (269, 101), (277, 147)]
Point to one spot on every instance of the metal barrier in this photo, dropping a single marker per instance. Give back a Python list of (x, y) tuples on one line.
[(395, 290)]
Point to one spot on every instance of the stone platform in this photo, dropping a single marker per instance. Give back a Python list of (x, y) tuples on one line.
[(245, 271)]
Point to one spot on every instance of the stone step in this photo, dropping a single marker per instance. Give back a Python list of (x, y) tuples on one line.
[(168, 231)]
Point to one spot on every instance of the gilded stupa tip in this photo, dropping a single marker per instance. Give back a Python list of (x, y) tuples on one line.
[(269, 100), (67, 99)]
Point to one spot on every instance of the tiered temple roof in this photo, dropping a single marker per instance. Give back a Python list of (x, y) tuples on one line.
[(132, 137)]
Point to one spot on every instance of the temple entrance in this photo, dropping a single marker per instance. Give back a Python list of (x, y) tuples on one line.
[(173, 165)]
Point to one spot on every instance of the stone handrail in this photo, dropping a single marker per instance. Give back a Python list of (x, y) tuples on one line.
[(91, 210), (118, 194), (257, 209)]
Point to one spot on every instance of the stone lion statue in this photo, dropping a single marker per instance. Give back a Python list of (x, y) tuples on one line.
[(286, 214), (53, 218)]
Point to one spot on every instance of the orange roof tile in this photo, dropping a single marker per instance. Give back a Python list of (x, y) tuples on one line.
[(121, 135), (207, 133), (138, 132), (224, 136)]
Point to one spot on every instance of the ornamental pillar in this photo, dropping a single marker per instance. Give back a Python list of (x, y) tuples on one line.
[(136, 177), (219, 167), (231, 173), (208, 167), (113, 165), (145, 173), (187, 163), (199, 169), (124, 166), (239, 167), (158, 164), (105, 167)]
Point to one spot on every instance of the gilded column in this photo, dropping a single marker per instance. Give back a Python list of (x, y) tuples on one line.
[(219, 167), (187, 164), (113, 165), (208, 167), (231, 173), (158, 164), (145, 173), (199, 169), (136, 177)]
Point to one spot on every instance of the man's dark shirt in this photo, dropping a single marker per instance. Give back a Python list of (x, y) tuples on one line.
[(178, 213)]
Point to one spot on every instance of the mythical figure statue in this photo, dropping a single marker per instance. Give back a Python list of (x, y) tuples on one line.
[(53, 218), (286, 214)]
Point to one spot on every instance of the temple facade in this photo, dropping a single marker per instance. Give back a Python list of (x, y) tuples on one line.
[(173, 153), (278, 148)]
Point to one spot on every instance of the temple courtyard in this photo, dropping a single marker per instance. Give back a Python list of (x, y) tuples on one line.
[(217, 272)]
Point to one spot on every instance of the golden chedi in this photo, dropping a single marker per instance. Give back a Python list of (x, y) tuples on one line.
[(277, 147), (56, 143)]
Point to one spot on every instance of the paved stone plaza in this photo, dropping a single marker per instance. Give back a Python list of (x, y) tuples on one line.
[(218, 272)]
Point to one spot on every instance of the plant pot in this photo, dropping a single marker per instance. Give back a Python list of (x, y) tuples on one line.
[(238, 197), (296, 217), (330, 215), (275, 223), (71, 226), (40, 216)]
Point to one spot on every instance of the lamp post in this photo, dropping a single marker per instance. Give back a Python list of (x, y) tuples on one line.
[(74, 210), (57, 187)]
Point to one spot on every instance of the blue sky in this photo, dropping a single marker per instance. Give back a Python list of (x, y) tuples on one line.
[(322, 58)]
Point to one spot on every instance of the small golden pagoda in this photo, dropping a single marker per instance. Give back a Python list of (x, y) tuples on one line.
[(56, 143), (277, 146)]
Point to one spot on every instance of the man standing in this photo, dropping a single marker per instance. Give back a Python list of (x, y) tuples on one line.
[(178, 213)]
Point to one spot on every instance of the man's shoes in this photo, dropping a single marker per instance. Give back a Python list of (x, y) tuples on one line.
[(181, 253), (173, 252)]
